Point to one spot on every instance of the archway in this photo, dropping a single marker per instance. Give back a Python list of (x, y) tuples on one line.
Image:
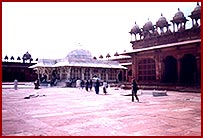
[(170, 70), (120, 76), (188, 70)]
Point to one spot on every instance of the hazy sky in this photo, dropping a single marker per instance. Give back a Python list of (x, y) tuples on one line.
[(53, 29)]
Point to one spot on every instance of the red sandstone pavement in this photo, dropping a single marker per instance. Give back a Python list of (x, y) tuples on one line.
[(75, 112)]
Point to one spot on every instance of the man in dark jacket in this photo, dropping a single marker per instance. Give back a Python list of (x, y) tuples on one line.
[(134, 90), (97, 87)]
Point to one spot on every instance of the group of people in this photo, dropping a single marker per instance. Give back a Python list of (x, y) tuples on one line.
[(84, 84), (88, 84)]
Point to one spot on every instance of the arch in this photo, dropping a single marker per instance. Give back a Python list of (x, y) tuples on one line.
[(188, 69), (170, 74), (146, 70)]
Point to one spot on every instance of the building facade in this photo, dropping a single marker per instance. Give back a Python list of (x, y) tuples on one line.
[(160, 55), (126, 61), (18, 69)]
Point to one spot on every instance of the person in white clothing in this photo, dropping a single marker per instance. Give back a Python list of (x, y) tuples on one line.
[(105, 86), (78, 82)]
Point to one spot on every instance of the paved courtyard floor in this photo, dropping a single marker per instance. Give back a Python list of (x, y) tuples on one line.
[(75, 112)]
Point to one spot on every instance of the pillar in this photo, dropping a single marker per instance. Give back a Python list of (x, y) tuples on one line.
[(82, 73), (90, 73), (60, 73), (68, 70), (198, 62), (178, 67), (134, 67), (158, 66), (107, 76)]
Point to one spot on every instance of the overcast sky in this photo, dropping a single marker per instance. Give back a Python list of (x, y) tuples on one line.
[(53, 29)]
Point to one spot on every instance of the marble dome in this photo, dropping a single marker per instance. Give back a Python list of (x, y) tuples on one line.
[(80, 53)]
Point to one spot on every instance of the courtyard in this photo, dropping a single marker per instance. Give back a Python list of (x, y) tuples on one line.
[(55, 111)]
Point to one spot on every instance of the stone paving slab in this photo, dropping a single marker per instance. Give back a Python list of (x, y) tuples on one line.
[(75, 112)]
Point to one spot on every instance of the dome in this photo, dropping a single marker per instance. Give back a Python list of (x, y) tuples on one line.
[(179, 15), (162, 22), (80, 53), (148, 26), (135, 29), (197, 10)]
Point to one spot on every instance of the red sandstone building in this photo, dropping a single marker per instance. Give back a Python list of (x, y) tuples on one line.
[(18, 69), (162, 56)]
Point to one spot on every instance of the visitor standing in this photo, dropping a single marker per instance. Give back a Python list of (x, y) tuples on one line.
[(36, 83), (87, 85), (15, 84), (82, 83), (105, 86), (97, 86), (90, 85), (78, 83), (134, 90)]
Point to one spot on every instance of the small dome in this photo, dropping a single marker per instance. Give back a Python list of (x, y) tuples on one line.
[(162, 22), (135, 29), (148, 26), (179, 15), (197, 10), (26, 56), (80, 53)]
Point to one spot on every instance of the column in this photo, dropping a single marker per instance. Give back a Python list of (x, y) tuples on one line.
[(68, 72), (82, 73), (134, 67), (61, 72), (178, 67), (107, 76), (90, 73), (158, 67), (198, 62), (99, 73)]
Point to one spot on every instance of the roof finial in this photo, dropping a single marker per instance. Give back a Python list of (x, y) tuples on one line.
[(197, 3), (178, 9), (161, 14)]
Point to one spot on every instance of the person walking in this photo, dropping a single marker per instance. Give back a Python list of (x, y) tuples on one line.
[(97, 86), (134, 90), (87, 85)]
